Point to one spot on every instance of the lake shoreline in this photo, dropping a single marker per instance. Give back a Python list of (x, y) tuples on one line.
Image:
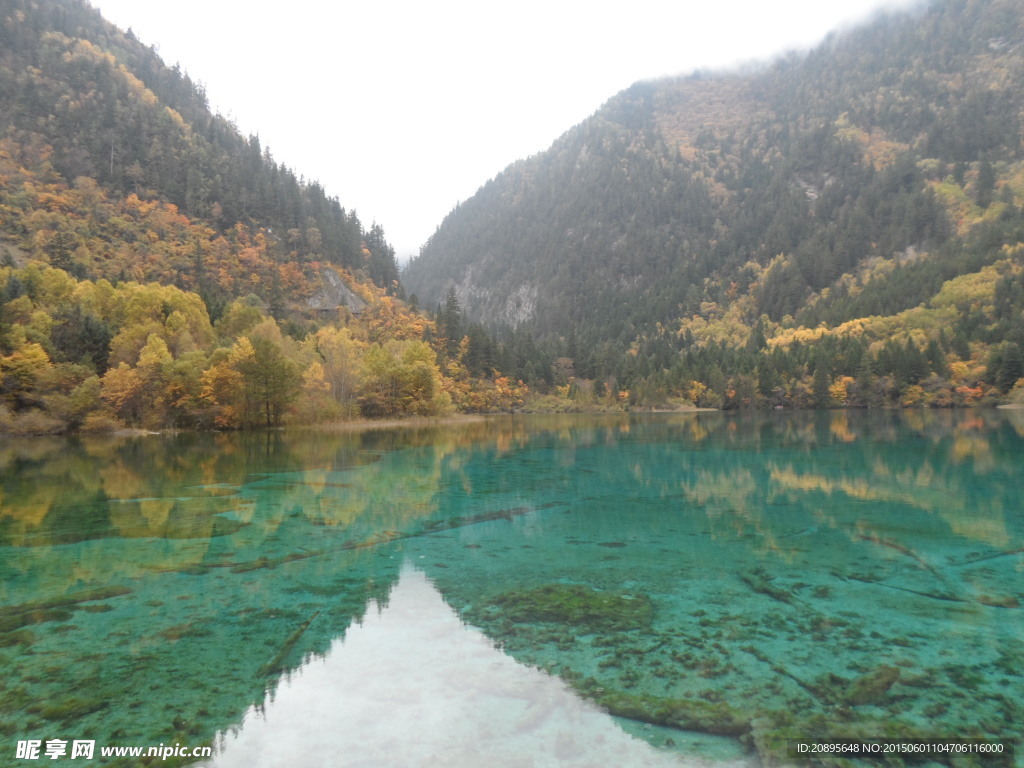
[(427, 421), (470, 418), (408, 421)]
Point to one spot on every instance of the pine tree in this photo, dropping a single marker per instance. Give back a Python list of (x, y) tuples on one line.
[(1011, 367), (821, 382), (450, 322), (936, 359)]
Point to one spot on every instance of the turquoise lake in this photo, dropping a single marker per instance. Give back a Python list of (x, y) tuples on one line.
[(696, 589)]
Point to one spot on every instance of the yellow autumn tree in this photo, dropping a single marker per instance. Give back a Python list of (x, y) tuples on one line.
[(25, 375), (402, 379), (222, 384), (341, 359), (139, 394), (251, 385), (457, 382), (315, 403), (839, 390), (121, 391)]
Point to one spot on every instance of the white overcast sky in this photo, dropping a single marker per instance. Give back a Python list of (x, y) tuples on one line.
[(402, 108)]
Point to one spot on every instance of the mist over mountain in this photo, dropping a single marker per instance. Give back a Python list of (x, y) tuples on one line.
[(845, 198)]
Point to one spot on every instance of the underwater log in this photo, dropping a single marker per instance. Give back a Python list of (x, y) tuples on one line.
[(275, 664)]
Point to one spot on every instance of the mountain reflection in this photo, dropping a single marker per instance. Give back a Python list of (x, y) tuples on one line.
[(411, 685), (730, 570), (57, 491)]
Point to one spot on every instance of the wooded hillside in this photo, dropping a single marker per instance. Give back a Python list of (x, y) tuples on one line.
[(837, 228), (159, 269)]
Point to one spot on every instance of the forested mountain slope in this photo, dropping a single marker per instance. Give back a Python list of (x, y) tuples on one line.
[(94, 103), (845, 211), (159, 269)]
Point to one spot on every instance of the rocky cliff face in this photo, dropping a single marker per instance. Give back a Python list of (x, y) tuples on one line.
[(335, 293)]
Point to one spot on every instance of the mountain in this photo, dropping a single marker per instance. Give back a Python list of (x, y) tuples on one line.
[(158, 269), (846, 210), (91, 102)]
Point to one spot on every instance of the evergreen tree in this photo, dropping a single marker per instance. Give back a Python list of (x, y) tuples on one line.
[(449, 322), (80, 337), (756, 341), (821, 382), (936, 359), (985, 185), (270, 382), (768, 378), (959, 345), (1010, 368)]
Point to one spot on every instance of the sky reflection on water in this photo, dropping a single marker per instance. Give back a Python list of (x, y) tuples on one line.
[(411, 685), (752, 575)]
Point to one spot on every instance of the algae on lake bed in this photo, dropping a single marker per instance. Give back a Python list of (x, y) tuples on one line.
[(577, 605), (750, 576)]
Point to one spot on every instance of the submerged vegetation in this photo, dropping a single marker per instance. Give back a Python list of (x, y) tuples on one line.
[(852, 237), (760, 577), (576, 605)]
